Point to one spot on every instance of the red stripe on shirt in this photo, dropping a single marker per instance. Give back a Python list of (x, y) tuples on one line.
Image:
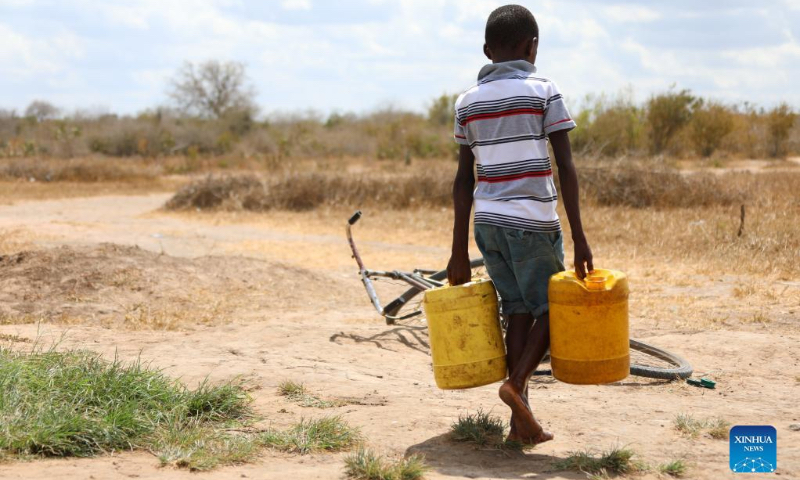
[(508, 178), (505, 113), (560, 121), (460, 136)]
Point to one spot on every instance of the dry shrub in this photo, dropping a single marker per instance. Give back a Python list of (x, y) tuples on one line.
[(76, 170), (709, 126), (640, 188), (780, 121), (243, 192), (609, 126), (306, 191), (707, 237), (667, 114), (431, 187)]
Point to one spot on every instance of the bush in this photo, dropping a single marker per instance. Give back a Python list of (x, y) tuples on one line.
[(780, 121), (442, 110), (709, 126), (667, 114), (609, 127)]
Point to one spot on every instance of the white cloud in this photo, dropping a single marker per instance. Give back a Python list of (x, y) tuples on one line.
[(296, 4), (409, 51), (631, 13), (775, 57), (28, 56)]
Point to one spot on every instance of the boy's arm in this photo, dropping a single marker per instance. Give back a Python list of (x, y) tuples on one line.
[(559, 140), (458, 269)]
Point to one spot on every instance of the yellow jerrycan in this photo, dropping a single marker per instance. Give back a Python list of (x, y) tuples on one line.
[(589, 341), (466, 339)]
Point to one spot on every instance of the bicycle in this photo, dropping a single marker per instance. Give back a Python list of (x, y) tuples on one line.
[(646, 360)]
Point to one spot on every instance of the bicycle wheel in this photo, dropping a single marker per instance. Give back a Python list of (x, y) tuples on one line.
[(649, 362), (406, 305), (652, 362)]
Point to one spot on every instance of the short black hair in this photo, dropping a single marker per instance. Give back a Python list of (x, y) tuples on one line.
[(510, 25)]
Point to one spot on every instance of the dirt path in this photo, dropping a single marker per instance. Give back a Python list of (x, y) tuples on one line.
[(336, 345)]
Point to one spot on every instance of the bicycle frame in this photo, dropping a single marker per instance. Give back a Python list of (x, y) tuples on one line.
[(416, 279)]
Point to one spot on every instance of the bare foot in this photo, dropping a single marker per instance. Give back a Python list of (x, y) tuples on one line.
[(513, 437), (525, 428)]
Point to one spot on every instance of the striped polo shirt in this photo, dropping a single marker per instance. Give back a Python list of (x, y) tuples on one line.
[(505, 119)]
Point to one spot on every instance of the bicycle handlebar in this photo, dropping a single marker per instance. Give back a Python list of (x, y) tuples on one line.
[(362, 270), (356, 216)]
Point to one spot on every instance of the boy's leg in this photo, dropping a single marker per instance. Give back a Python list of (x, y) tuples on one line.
[(535, 257), (513, 391), (519, 325)]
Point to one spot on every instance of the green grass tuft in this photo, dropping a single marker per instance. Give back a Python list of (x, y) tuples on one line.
[(481, 428), (290, 388), (298, 393), (74, 403), (199, 447), (367, 465), (323, 434), (616, 461), (675, 468)]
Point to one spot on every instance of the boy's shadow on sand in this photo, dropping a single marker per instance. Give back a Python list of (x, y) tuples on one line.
[(446, 457)]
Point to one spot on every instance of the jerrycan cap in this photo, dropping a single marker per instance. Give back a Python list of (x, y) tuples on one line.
[(595, 280)]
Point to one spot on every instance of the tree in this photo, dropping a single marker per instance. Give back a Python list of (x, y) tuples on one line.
[(780, 121), (41, 110), (711, 123), (667, 114), (213, 89), (442, 110)]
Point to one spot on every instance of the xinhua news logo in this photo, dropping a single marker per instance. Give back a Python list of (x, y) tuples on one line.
[(754, 449)]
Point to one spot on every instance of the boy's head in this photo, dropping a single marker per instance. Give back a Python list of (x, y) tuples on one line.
[(511, 34)]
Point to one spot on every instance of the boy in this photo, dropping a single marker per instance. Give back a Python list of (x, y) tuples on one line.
[(504, 122)]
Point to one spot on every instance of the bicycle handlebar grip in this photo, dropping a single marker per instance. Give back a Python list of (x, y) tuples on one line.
[(355, 217)]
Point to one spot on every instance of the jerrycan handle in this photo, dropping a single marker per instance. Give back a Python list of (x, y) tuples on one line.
[(596, 280)]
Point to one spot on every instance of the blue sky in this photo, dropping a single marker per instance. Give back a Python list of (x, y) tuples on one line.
[(349, 55)]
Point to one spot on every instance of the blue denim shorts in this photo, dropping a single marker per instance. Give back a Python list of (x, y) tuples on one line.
[(520, 264)]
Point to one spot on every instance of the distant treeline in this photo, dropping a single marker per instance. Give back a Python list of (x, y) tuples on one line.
[(673, 123)]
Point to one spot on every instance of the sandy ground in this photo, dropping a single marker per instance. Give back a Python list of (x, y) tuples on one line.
[(274, 297)]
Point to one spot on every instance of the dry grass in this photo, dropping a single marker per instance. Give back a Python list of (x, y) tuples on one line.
[(85, 169), (7, 337), (716, 427), (306, 191), (297, 392), (430, 186), (22, 190), (634, 187), (687, 425), (707, 237), (643, 219)]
